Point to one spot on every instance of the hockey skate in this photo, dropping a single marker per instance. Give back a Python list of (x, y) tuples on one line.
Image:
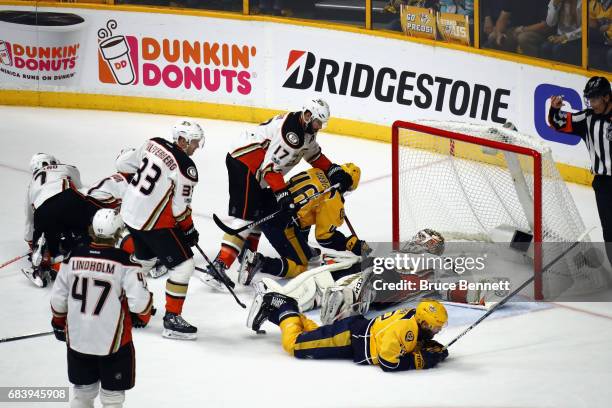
[(252, 264), (175, 327), (264, 305), (210, 276), (36, 276)]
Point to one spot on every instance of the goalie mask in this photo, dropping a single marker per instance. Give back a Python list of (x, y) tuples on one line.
[(40, 160), (426, 240)]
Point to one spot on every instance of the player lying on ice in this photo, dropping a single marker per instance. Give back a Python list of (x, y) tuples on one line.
[(396, 341)]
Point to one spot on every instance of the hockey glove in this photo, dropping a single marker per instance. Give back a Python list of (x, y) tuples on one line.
[(192, 236), (432, 346), (285, 203), (141, 320), (358, 246), (59, 330), (337, 175)]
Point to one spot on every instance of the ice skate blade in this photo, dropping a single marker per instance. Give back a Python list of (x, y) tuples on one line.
[(212, 282), (36, 280), (174, 335)]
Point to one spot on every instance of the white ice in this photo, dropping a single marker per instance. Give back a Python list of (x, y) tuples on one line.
[(553, 356)]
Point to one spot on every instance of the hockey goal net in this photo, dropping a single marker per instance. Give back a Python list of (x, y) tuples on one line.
[(472, 182)]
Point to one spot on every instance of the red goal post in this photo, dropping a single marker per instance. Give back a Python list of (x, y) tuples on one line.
[(447, 141)]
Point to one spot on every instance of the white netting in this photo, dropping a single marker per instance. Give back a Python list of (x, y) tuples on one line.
[(467, 191)]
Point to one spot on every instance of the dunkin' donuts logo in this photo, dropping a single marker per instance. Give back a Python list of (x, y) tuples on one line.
[(173, 63), (38, 63)]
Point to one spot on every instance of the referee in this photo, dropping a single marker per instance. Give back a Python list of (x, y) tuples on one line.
[(593, 126)]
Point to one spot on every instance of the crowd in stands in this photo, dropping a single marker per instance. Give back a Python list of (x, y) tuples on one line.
[(547, 29)]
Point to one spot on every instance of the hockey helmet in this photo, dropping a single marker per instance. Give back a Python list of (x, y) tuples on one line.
[(596, 86), (355, 172), (106, 223), (431, 315), (40, 160), (127, 162), (188, 130), (319, 110)]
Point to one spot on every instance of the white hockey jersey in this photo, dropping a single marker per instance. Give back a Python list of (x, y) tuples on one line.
[(284, 142), (96, 291), (159, 195), (45, 183), (109, 190)]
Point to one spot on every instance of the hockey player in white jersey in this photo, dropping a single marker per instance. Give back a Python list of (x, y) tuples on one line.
[(99, 294), (110, 190), (156, 208), (256, 171), (55, 212)]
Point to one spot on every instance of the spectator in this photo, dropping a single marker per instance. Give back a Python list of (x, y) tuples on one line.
[(600, 34), (516, 18), (565, 17)]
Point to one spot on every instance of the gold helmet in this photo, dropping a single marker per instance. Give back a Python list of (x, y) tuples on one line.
[(431, 315), (354, 172)]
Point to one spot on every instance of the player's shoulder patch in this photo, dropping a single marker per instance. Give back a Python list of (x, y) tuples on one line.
[(186, 165), (292, 131)]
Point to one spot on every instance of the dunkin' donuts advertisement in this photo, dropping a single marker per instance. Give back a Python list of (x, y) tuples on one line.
[(44, 47), (123, 53)]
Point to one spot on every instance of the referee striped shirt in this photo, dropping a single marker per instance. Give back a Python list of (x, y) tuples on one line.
[(595, 130)]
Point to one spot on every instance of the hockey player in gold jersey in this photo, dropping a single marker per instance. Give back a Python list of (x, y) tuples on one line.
[(325, 213), (396, 341)]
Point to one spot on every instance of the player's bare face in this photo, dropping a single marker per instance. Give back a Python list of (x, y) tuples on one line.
[(192, 147), (317, 125), (600, 104)]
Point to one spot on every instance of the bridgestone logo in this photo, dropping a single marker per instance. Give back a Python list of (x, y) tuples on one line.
[(386, 84)]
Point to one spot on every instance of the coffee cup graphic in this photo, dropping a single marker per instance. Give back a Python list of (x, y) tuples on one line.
[(40, 49), (116, 53), (5, 57)]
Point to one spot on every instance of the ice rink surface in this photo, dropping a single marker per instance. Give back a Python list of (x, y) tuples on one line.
[(549, 355)]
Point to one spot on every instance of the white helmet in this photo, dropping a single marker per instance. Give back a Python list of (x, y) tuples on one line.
[(126, 161), (40, 160), (106, 223), (319, 109), (188, 130)]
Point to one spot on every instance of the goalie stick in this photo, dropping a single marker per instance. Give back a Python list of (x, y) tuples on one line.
[(517, 290), (219, 276), (236, 231)]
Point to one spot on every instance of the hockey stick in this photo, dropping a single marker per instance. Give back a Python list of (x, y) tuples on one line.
[(214, 268), (515, 291), (236, 231), (25, 336), (15, 259)]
